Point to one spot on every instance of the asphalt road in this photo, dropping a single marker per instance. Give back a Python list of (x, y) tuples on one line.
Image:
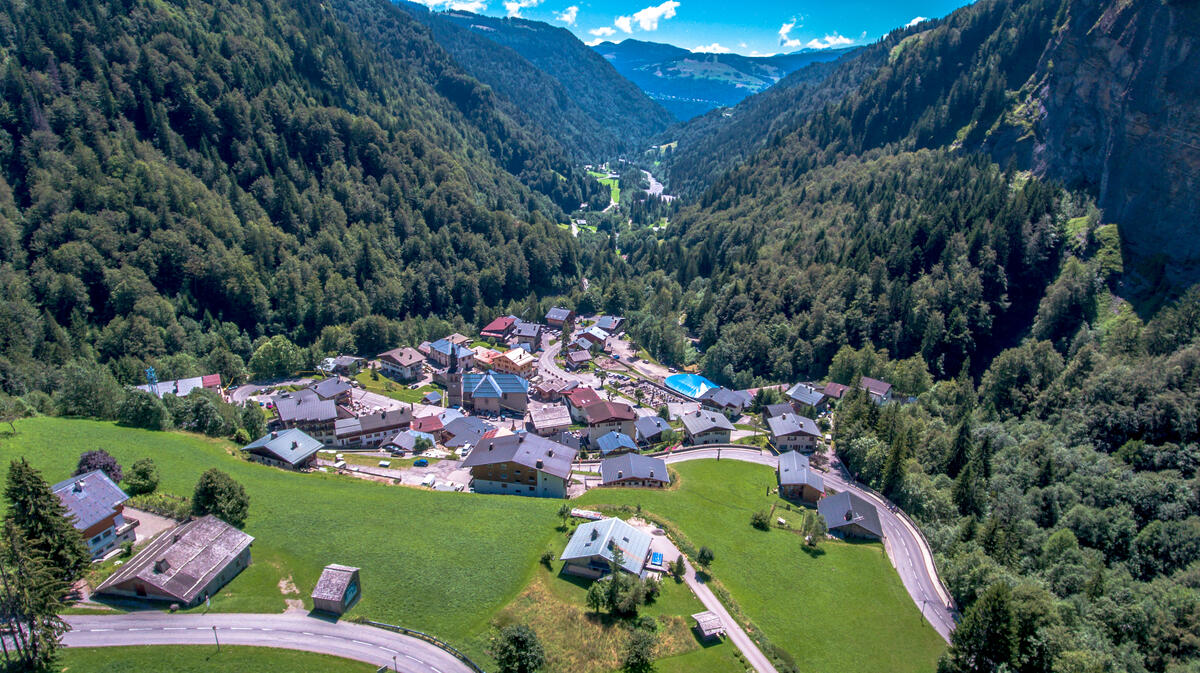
[(243, 393), (905, 546), (293, 631), (550, 368)]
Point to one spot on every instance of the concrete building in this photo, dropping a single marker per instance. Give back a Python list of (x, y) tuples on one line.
[(516, 361), (798, 481), (589, 553), (402, 364), (304, 410), (291, 449), (372, 430), (604, 417), (634, 469), (706, 427), (549, 419), (561, 319), (337, 590), (494, 392), (793, 432), (96, 507), (520, 464)]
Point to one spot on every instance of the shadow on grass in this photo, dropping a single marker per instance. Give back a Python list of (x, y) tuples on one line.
[(813, 552), (327, 617)]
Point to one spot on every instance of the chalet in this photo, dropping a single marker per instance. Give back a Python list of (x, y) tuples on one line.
[(184, 565), (484, 356), (402, 364), (290, 449), (344, 365), (458, 339), (561, 319), (404, 442), (806, 399), (335, 388), (337, 590), (549, 419), (499, 329), (794, 432), (585, 344), (96, 507), (551, 390), (709, 625), (834, 391), (576, 359), (650, 429), (611, 324), (797, 480), (725, 400), (517, 361), (181, 387), (595, 337), (773, 410), (578, 400), (528, 334), (615, 443), (706, 427), (634, 469), (521, 464), (443, 351), (495, 392), (589, 553), (303, 409), (604, 417), (880, 391), (372, 430), (849, 515)]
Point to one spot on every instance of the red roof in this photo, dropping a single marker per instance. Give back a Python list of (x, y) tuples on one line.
[(582, 397), (210, 381), (427, 424), (498, 326), (835, 390), (609, 411)]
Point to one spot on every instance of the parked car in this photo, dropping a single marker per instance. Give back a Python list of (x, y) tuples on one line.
[(420, 462)]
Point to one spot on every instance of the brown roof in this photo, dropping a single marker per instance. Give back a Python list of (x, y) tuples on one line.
[(581, 398), (404, 357), (835, 390), (600, 412)]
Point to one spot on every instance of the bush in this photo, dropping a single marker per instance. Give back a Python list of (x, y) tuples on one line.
[(547, 559), (162, 504), (99, 460), (143, 410), (126, 549), (760, 520), (240, 436), (517, 649), (218, 494), (705, 556), (142, 477)]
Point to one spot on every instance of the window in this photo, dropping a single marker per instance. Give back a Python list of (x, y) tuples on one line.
[(96, 540)]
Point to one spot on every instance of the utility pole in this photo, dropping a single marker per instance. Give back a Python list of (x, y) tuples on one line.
[(216, 638)]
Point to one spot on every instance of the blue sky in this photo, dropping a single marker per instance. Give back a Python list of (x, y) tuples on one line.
[(752, 28)]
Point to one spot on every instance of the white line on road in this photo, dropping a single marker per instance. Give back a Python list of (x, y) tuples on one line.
[(306, 633), (414, 658), (264, 629), (174, 628), (388, 649), (360, 642), (99, 630), (240, 628), (332, 637), (139, 629)]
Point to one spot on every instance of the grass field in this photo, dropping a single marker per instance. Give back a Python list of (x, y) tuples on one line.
[(611, 183), (819, 608), (398, 391), (201, 659), (439, 562)]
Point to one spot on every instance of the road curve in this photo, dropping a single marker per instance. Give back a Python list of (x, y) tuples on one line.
[(550, 368), (906, 547), (292, 631)]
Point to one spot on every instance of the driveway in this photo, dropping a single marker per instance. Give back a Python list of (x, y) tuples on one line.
[(243, 393), (549, 369), (375, 646), (149, 524)]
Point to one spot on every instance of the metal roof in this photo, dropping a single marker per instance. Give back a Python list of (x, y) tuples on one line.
[(805, 393), (328, 389), (608, 323), (615, 441), (794, 470), (703, 420), (466, 430), (291, 446), (599, 538), (633, 466), (181, 387), (792, 424), (493, 384), (302, 408), (845, 508), (407, 439), (650, 426), (527, 329), (444, 347), (726, 398), (778, 409), (89, 498), (524, 448), (557, 313)]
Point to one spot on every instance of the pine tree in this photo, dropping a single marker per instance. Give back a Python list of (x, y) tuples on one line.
[(968, 492), (986, 639), (42, 518), (31, 597), (961, 450)]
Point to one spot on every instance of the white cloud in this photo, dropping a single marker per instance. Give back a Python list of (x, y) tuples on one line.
[(757, 53), (829, 41), (713, 48), (785, 39), (568, 15), (649, 17), (514, 7), (592, 43), (603, 31), (915, 21), (459, 5), (625, 23), (742, 45)]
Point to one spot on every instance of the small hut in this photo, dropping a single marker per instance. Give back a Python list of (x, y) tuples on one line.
[(337, 590), (708, 625)]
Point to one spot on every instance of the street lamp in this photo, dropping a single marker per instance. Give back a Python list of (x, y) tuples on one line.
[(216, 638)]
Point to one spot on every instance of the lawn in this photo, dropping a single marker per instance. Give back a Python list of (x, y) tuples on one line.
[(398, 391), (201, 659), (438, 562), (612, 183), (819, 608)]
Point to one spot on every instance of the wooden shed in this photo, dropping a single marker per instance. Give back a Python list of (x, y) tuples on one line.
[(337, 590)]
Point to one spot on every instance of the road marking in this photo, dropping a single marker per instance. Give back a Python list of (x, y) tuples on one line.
[(174, 628), (332, 637), (266, 629), (99, 630), (388, 649), (240, 628), (414, 659), (306, 633), (139, 629), (435, 669), (359, 642)]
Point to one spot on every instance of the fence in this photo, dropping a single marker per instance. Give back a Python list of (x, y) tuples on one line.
[(433, 640)]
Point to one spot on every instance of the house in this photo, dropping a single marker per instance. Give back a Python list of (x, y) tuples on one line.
[(181, 387), (290, 449), (337, 590), (880, 391), (806, 398), (585, 344), (650, 429), (521, 464), (849, 515), (611, 324), (773, 410), (576, 359), (709, 625), (797, 480), (405, 442), (335, 388), (495, 392), (484, 356), (516, 361), (614, 443), (402, 364), (589, 553), (432, 398), (184, 565), (458, 339), (634, 469), (372, 430), (528, 334), (604, 417), (432, 425), (550, 419), (578, 400), (794, 432), (443, 351), (96, 507), (561, 319), (706, 427), (834, 391), (551, 390), (344, 365), (499, 329), (595, 337), (303, 409), (725, 400)]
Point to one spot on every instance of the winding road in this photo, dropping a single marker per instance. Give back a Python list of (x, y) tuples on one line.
[(550, 368), (293, 631)]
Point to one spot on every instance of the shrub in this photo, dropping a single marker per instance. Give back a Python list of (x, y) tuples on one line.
[(547, 559), (705, 556), (760, 520), (142, 477), (99, 460), (218, 494)]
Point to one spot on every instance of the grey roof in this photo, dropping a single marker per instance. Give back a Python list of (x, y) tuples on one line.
[(596, 333), (579, 356), (407, 439), (633, 466), (492, 384), (597, 538), (180, 387), (557, 313), (302, 408), (805, 393), (725, 398), (432, 397), (527, 329), (703, 420), (845, 508), (90, 498), (333, 583), (328, 389), (649, 427), (524, 448), (346, 360), (181, 562), (291, 446), (794, 470), (792, 424), (615, 441), (550, 416), (466, 430), (404, 357), (778, 409), (380, 421), (608, 323)]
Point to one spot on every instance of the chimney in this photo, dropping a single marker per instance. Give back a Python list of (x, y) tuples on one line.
[(539, 464), (620, 474), (161, 565), (79, 484), (295, 444)]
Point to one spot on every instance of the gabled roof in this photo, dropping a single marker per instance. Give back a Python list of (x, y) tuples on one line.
[(874, 386), (527, 329), (805, 393), (558, 314), (494, 385), (579, 357), (444, 347), (609, 323), (792, 424), (615, 441), (427, 424), (300, 409), (403, 357), (598, 538), (780, 409), (650, 426), (520, 357), (407, 439), (334, 581), (845, 509), (291, 446), (835, 390), (330, 388), (524, 448), (703, 420), (595, 333), (794, 470), (549, 416), (182, 387), (633, 466), (499, 326), (89, 498), (725, 398), (604, 411), (582, 398), (183, 561)]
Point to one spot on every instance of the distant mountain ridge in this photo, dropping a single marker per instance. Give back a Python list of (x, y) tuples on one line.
[(690, 83)]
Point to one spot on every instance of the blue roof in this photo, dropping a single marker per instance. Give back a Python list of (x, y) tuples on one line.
[(615, 441), (444, 347), (291, 446), (598, 538), (90, 497), (691, 385), (493, 384)]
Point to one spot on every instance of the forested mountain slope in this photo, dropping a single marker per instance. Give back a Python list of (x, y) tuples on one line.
[(264, 166)]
